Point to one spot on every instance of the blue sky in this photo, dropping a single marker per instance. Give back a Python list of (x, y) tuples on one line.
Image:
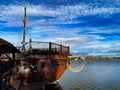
[(89, 27)]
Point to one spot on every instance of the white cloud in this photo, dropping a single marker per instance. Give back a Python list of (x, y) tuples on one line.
[(74, 40), (97, 48), (70, 12), (13, 14), (36, 10)]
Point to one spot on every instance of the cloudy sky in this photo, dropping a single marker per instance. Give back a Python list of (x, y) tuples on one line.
[(89, 27)]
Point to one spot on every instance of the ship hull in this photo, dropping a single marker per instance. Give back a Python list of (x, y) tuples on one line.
[(46, 62), (45, 68)]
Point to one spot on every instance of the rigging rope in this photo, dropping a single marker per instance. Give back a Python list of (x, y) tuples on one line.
[(77, 69), (19, 39)]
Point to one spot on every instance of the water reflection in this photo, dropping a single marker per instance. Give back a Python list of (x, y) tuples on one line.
[(53, 87), (37, 87), (76, 89), (58, 87)]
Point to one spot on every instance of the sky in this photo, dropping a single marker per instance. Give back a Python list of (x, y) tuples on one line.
[(89, 27)]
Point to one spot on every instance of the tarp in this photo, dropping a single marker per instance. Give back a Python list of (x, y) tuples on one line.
[(7, 47)]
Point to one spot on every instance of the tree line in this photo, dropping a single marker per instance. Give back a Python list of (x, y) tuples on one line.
[(102, 58)]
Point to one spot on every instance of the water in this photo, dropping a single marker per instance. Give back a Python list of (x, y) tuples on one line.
[(96, 75)]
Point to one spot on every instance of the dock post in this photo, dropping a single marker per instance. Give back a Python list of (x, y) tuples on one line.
[(60, 48), (49, 46), (30, 46), (1, 84), (68, 49)]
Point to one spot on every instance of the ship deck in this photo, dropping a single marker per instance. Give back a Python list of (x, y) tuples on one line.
[(35, 47)]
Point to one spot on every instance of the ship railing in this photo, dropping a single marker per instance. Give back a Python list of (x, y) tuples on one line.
[(46, 46)]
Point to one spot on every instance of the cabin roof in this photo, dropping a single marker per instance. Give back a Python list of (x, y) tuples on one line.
[(7, 47)]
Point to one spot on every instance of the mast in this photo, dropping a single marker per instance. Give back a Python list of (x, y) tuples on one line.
[(24, 31)]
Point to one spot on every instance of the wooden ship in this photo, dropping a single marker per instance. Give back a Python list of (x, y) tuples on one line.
[(34, 65), (40, 68), (45, 61)]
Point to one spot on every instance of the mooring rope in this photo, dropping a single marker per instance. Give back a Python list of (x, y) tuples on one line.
[(77, 69)]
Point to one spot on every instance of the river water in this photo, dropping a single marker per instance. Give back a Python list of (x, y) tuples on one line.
[(96, 75)]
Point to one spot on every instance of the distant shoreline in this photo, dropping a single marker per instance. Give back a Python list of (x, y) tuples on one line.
[(101, 58)]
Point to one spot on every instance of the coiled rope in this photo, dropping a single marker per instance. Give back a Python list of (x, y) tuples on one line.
[(77, 69)]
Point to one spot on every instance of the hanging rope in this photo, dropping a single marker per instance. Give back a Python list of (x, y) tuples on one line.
[(77, 69)]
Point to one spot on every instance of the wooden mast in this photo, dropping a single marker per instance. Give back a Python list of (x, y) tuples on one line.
[(24, 32)]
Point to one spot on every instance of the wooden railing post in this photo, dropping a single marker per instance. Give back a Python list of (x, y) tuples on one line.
[(30, 46), (60, 48), (68, 49), (50, 46), (0, 81)]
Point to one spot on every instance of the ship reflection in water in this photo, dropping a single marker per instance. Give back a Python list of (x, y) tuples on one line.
[(46, 87), (53, 87)]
